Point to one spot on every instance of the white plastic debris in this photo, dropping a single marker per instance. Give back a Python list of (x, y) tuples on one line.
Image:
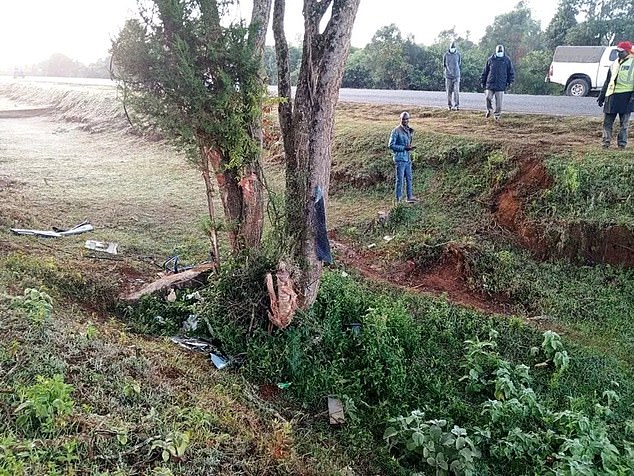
[(388, 238), (190, 324), (104, 246), (55, 232), (171, 297), (335, 411), (218, 361)]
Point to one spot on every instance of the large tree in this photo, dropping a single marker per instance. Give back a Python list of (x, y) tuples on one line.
[(307, 123), (603, 22), (564, 20), (198, 80), (516, 30)]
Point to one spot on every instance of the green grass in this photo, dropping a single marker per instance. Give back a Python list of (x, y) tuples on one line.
[(89, 387), (594, 188)]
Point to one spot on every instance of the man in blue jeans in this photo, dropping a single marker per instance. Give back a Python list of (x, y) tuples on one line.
[(401, 146)]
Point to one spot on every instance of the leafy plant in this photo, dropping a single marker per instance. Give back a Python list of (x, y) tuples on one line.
[(173, 446), (44, 404), (447, 451), (37, 304), (554, 350)]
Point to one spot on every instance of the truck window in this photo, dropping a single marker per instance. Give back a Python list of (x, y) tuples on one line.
[(613, 55)]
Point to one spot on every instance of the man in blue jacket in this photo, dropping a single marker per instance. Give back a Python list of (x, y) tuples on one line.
[(497, 76), (401, 146)]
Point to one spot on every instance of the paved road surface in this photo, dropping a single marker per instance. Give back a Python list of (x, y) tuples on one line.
[(522, 103)]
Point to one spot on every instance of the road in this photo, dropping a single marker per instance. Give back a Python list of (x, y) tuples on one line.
[(520, 103)]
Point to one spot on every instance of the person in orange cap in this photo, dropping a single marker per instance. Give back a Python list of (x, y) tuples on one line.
[(617, 95)]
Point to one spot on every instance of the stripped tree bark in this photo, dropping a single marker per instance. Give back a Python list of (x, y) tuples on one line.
[(307, 123)]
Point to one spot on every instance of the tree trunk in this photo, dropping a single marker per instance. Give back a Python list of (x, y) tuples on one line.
[(241, 196), (241, 191), (308, 137)]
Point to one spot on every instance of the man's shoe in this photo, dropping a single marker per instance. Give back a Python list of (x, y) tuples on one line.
[(605, 146), (488, 114), (450, 108), (456, 108), (621, 147), (412, 200), (497, 118)]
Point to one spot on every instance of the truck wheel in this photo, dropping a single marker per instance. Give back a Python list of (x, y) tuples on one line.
[(578, 87)]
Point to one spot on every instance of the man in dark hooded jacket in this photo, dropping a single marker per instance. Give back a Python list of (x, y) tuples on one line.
[(497, 76), (617, 95), (451, 62)]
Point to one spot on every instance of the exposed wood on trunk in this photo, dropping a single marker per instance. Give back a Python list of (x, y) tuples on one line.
[(241, 199), (209, 189), (284, 301)]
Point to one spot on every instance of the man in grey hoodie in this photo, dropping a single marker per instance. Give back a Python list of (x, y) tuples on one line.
[(451, 62)]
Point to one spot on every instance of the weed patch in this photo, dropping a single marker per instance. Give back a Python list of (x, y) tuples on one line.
[(408, 355)]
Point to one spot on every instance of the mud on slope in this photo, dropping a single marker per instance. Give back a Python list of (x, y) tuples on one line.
[(590, 242)]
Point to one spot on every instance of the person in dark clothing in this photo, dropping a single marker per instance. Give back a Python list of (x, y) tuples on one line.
[(497, 76), (617, 95), (451, 62)]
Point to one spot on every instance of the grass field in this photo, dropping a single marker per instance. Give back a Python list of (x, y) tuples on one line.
[(455, 307)]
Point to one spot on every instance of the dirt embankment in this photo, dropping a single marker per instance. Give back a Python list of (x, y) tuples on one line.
[(96, 109), (592, 243)]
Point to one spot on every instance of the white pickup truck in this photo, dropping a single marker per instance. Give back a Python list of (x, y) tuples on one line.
[(581, 69)]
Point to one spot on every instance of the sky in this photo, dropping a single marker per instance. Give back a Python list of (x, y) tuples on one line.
[(32, 30)]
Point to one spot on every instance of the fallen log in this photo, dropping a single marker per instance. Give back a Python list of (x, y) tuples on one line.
[(190, 278)]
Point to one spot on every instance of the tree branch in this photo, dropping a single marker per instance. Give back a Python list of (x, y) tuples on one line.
[(259, 24), (317, 9), (337, 30), (285, 107)]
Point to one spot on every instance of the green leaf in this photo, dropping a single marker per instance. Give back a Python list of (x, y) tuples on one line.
[(390, 431)]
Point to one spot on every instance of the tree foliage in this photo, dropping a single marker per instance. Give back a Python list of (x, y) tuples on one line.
[(185, 72), (191, 77), (516, 30)]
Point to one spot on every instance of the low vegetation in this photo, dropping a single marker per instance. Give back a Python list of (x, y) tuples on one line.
[(428, 386)]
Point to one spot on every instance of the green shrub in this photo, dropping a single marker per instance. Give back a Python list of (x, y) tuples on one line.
[(44, 405)]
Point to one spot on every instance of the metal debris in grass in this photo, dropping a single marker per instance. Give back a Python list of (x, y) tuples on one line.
[(355, 328), (197, 344), (335, 411), (193, 343), (103, 246), (55, 232), (219, 361)]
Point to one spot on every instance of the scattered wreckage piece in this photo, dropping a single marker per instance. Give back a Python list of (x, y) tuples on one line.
[(104, 246), (55, 232), (335, 411), (202, 345), (190, 278)]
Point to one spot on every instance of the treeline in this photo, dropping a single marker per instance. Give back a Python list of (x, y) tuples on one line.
[(60, 65), (392, 61)]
